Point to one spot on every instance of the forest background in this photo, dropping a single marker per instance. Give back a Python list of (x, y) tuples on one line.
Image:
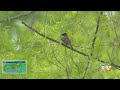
[(95, 36)]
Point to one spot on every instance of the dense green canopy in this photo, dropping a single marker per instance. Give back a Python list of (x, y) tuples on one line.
[(94, 33)]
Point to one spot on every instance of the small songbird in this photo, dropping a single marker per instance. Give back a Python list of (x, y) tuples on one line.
[(66, 39)]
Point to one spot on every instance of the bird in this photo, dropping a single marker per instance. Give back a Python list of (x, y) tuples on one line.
[(66, 40)]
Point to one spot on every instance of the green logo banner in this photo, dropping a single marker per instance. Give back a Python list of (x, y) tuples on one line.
[(14, 66)]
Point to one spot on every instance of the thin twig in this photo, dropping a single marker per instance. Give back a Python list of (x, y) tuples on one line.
[(101, 75), (96, 31), (45, 23), (67, 73), (86, 69), (16, 17), (115, 31), (59, 62), (75, 65), (112, 62), (55, 64)]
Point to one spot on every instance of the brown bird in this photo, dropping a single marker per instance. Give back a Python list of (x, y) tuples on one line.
[(66, 39)]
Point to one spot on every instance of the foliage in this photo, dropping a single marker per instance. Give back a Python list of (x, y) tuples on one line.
[(47, 59)]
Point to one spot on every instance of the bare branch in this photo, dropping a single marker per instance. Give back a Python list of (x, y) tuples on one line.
[(86, 69), (16, 17), (96, 31), (75, 65), (59, 62), (112, 62), (82, 53), (54, 40)]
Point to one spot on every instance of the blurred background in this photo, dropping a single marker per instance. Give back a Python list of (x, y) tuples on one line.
[(47, 59)]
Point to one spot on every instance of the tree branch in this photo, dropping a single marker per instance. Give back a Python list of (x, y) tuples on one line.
[(16, 17), (116, 66), (96, 31), (54, 40), (86, 69)]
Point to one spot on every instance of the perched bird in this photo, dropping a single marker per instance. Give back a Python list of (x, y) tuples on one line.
[(66, 39)]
